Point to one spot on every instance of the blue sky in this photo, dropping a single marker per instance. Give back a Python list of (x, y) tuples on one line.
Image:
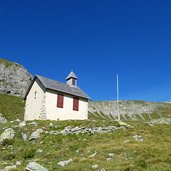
[(97, 39)]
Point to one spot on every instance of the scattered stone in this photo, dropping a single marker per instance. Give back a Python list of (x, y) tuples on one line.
[(64, 162), (160, 121), (35, 134), (39, 151), (110, 155), (18, 163), (22, 124), (109, 159), (33, 123), (126, 141), (8, 168), (51, 124), (2, 119), (15, 126), (24, 136), (83, 130), (138, 138), (10, 147), (68, 127), (33, 166), (94, 166), (18, 120), (101, 169), (124, 124), (93, 155), (77, 151), (7, 134), (53, 132)]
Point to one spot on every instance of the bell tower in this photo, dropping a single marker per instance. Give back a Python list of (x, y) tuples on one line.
[(72, 79)]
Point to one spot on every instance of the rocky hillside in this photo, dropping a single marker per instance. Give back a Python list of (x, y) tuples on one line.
[(130, 109), (14, 78)]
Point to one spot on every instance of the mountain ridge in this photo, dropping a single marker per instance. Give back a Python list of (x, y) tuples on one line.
[(129, 109)]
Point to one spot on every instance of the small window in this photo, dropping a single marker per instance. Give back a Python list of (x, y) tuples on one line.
[(76, 103), (35, 94), (60, 100)]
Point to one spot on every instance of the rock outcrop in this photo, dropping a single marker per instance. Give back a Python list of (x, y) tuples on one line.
[(128, 109), (14, 78)]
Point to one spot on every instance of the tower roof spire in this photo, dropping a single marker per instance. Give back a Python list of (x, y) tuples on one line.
[(72, 75)]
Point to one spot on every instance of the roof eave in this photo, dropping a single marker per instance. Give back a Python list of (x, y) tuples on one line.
[(87, 98), (34, 79), (29, 88)]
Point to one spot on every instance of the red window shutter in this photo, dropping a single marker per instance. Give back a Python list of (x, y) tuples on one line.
[(76, 103), (60, 101)]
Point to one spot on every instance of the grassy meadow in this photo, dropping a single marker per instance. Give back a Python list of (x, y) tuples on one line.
[(85, 150)]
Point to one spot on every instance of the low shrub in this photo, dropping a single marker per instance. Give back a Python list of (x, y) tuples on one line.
[(9, 156), (29, 153), (8, 142), (141, 163)]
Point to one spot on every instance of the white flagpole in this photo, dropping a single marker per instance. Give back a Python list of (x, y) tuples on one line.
[(117, 85)]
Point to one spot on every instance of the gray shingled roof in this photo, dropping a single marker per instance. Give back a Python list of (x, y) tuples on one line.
[(71, 75), (62, 87)]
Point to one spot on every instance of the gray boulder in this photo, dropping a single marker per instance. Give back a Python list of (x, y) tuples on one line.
[(64, 162), (33, 166), (94, 166), (51, 124), (33, 123), (93, 155), (18, 163), (2, 119), (24, 136), (7, 134), (110, 155), (35, 134), (22, 124), (101, 169), (138, 138)]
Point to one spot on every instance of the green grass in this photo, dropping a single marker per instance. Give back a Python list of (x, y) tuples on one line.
[(154, 153), (12, 107), (6, 62)]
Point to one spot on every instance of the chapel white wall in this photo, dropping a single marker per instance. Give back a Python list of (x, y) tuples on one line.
[(67, 112), (35, 107)]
